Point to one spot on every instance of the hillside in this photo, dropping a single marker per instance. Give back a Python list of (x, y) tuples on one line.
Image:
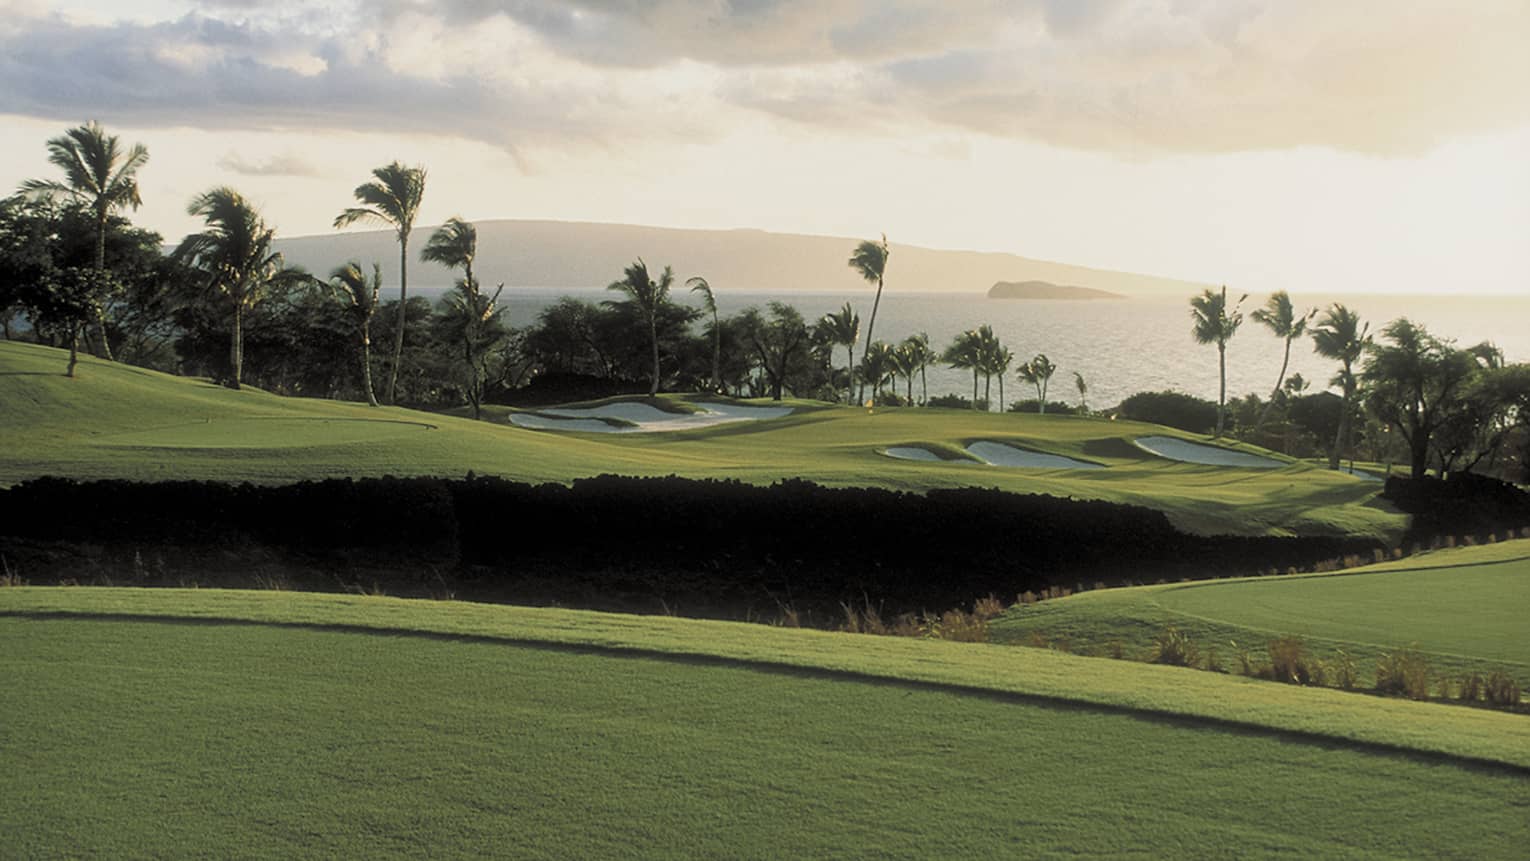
[(575, 254), (1047, 290)]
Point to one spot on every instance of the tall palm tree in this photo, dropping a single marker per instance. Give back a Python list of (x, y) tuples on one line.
[(918, 348), (648, 296), (906, 361), (1280, 317), (235, 255), (869, 260), (843, 328), (1214, 324), (98, 173), (1340, 335), (709, 302), (361, 294), (1002, 360), (393, 198), (1083, 392), (964, 353), (988, 353)]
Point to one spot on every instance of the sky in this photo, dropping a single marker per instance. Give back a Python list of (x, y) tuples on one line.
[(1331, 146)]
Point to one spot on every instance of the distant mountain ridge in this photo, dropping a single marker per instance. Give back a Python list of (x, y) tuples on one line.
[(1046, 290), (585, 254)]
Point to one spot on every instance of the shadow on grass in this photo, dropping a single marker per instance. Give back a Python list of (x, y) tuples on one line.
[(1179, 721)]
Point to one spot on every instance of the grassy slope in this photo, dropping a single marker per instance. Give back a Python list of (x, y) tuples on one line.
[(1464, 608), (140, 737), (1458, 732), (116, 421)]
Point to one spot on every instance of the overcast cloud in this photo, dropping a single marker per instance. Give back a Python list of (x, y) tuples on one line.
[(1140, 77)]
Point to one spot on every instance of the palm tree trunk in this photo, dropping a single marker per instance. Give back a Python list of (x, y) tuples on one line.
[(403, 316), (924, 387), (870, 326), (653, 339), (366, 361), (716, 353), (910, 390), (1265, 413), (1222, 393), (74, 348), (974, 386), (236, 344), (1344, 411), (106, 346), (987, 387), (1001, 393), (850, 374)]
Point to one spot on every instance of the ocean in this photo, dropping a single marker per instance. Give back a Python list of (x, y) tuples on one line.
[(1120, 346)]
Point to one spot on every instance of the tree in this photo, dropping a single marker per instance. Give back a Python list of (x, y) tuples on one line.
[(1038, 372), (646, 296), (235, 257), (1214, 324), (779, 344), (965, 353), (1279, 316), (453, 245), (470, 321), (877, 366), (869, 260), (1083, 392), (98, 173), (1415, 382), (842, 328), (921, 356), (1001, 361), (1340, 335), (709, 302), (392, 198), (907, 362), (988, 354), (360, 296)]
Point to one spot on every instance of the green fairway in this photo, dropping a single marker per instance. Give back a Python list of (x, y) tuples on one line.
[(1467, 609), (115, 421), (543, 734)]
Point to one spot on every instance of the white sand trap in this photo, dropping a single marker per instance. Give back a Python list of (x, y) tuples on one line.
[(999, 454), (642, 417), (909, 452), (1207, 455)]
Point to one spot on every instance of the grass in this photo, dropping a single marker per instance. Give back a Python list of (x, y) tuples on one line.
[(351, 726), (114, 421), (1462, 610)]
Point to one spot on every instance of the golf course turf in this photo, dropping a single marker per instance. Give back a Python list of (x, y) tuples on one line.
[(280, 724)]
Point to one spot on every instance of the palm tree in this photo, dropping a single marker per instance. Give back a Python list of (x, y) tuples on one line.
[(392, 198), (648, 296), (843, 328), (99, 174), (1280, 317), (965, 352), (1214, 324), (709, 301), (918, 348), (988, 351), (869, 260), (1083, 392), (1340, 335), (1002, 360), (470, 320), (352, 285), (235, 255), (877, 365), (454, 244), (1038, 372)]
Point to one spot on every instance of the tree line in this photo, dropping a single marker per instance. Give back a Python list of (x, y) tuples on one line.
[(225, 304)]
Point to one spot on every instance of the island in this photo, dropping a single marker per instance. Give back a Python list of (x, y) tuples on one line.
[(1046, 290)]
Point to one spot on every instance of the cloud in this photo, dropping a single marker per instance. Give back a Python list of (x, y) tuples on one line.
[(285, 164), (1138, 77)]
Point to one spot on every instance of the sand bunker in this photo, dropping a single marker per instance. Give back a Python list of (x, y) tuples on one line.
[(641, 418), (999, 454), (909, 452), (1207, 455)]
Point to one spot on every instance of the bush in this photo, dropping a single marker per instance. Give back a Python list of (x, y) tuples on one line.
[(1172, 409), (1034, 406), (1501, 690), (1175, 648), (1403, 673), (956, 402), (1345, 676), (1290, 663)]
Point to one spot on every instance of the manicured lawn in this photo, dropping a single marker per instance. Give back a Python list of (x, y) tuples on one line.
[(141, 737), (119, 422), (1467, 609)]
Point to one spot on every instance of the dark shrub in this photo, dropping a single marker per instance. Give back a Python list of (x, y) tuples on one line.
[(1172, 409)]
